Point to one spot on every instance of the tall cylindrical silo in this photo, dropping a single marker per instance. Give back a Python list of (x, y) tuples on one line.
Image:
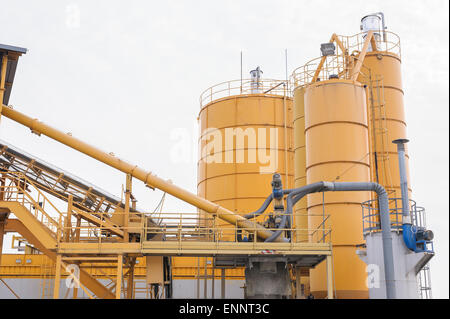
[(244, 138), (387, 117), (337, 149)]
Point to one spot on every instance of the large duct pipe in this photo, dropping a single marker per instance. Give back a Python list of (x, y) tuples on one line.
[(403, 179), (409, 231), (388, 254), (147, 177)]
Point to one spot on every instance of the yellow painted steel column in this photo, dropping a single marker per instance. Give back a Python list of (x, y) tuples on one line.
[(130, 279), (3, 81), (337, 149), (119, 276), (147, 177), (300, 217), (2, 232), (67, 223), (126, 213), (57, 277), (329, 277)]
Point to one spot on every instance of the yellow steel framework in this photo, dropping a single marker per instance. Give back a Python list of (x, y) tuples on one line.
[(375, 63), (94, 228), (50, 230)]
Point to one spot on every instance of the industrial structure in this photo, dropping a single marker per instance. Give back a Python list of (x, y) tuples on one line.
[(303, 191)]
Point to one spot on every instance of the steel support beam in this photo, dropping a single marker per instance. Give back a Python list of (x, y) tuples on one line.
[(15, 225), (329, 265), (57, 277), (119, 276)]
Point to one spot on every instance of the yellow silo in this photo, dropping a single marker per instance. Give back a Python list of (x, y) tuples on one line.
[(382, 74), (300, 210), (337, 149), (245, 136)]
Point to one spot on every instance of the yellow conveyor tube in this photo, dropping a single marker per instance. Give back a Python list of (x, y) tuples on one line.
[(147, 177)]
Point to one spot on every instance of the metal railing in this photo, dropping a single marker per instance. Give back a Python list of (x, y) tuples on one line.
[(333, 66), (103, 227), (56, 182), (371, 223), (386, 41), (243, 87), (22, 190), (181, 227), (341, 64), (371, 216)]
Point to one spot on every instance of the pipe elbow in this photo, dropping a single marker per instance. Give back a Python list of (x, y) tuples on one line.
[(328, 186)]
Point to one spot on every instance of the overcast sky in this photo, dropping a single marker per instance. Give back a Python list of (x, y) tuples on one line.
[(122, 75)]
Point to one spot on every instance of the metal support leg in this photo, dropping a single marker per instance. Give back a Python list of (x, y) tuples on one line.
[(57, 277), (67, 222), (298, 283), (4, 64), (212, 283), (130, 280), (119, 276), (329, 277), (205, 286), (2, 232), (222, 283), (126, 215)]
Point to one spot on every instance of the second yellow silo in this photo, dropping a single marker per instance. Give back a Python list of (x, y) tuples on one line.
[(236, 172), (337, 149)]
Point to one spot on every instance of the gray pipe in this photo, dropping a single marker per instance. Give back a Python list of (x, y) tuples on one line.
[(403, 179), (301, 191), (264, 206), (388, 254), (262, 209), (383, 24)]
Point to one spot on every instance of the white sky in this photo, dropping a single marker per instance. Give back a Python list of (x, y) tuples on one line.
[(127, 73)]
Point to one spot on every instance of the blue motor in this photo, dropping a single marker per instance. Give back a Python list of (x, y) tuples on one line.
[(417, 238)]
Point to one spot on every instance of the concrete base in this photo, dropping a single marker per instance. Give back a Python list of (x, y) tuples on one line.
[(407, 265)]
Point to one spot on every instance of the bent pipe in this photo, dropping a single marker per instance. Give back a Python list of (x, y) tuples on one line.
[(290, 202), (262, 209), (388, 254), (264, 206)]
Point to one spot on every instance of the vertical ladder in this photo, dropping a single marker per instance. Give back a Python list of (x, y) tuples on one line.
[(47, 278), (380, 132), (141, 289), (424, 275)]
